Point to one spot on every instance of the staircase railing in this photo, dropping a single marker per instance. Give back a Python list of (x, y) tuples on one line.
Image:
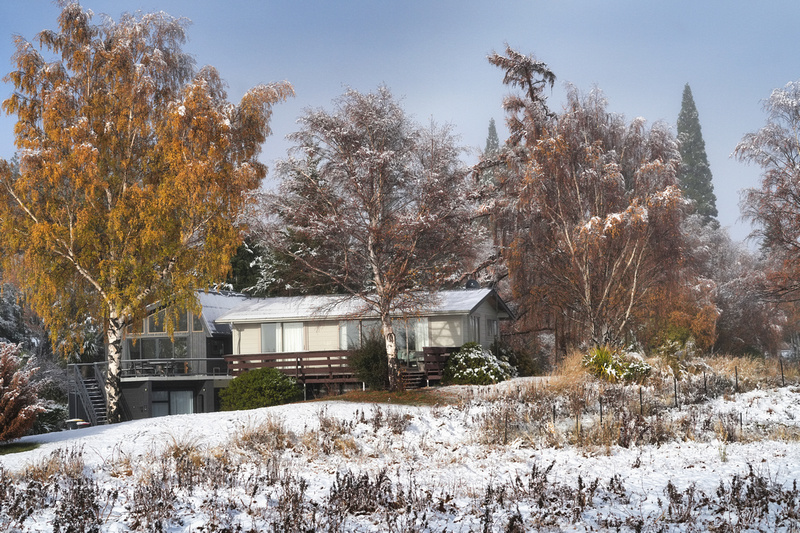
[(83, 394)]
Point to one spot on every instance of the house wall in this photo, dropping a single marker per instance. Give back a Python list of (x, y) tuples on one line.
[(247, 338), (446, 331), (322, 335)]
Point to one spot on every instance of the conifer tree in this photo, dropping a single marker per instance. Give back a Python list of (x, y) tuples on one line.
[(695, 174)]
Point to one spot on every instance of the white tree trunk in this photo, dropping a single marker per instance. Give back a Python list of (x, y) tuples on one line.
[(391, 352), (114, 333)]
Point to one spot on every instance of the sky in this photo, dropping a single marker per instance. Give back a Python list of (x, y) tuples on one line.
[(432, 55)]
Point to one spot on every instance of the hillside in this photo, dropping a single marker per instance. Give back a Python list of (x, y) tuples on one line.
[(485, 459)]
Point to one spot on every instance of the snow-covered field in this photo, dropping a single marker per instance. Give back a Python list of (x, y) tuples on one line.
[(337, 466)]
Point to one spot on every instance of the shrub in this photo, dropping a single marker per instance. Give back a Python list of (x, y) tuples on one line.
[(261, 387), (473, 365), (612, 365), (19, 403), (370, 363)]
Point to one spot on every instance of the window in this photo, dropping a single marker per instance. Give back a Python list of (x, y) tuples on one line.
[(181, 322), (492, 329), (293, 337), (475, 329), (197, 323), (270, 338), (349, 337), (370, 329), (172, 402), (149, 348), (155, 322), (411, 336), (134, 349)]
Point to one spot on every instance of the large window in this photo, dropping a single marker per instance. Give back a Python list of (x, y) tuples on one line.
[(411, 336), (158, 348), (282, 337), (354, 332), (172, 403)]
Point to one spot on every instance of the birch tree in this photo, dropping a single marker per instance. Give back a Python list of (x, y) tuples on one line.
[(590, 204), (134, 168), (374, 203)]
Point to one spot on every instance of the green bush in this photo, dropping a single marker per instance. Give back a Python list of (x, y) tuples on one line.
[(261, 387), (473, 365), (612, 365), (370, 363)]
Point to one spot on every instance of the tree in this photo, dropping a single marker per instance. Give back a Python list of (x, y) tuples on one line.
[(134, 169), (775, 206), (695, 174), (490, 152), (19, 403), (591, 205), (374, 203)]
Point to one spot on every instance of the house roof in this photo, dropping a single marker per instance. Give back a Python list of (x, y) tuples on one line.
[(216, 304), (332, 307)]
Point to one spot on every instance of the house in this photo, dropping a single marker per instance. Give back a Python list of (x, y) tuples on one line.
[(308, 337), (163, 374)]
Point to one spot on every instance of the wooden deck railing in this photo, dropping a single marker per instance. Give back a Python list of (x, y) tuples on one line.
[(305, 367)]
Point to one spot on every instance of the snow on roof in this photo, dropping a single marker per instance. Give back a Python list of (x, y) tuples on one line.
[(216, 304), (337, 306)]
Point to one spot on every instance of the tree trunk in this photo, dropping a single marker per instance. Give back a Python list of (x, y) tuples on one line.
[(391, 352), (114, 357)]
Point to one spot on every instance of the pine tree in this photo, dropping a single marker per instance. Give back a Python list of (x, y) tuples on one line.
[(695, 174), (492, 141)]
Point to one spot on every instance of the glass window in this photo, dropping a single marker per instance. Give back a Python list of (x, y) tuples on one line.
[(180, 348), (370, 329), (134, 349), (475, 328), (155, 322), (148, 348), (181, 322), (181, 402), (136, 327), (270, 338), (293, 337), (165, 348), (197, 323), (348, 335)]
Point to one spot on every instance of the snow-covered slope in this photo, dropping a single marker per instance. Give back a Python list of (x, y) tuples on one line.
[(431, 465)]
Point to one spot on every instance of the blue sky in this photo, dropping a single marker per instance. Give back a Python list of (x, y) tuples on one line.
[(432, 54)]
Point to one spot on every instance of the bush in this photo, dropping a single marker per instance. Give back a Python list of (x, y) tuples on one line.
[(612, 365), (370, 363), (473, 365), (261, 387), (19, 403)]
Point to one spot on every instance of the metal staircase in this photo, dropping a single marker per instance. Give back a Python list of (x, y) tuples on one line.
[(90, 390)]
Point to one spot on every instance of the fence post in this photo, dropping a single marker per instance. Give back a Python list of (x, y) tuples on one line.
[(675, 384), (554, 415), (705, 384), (601, 410), (641, 402), (783, 381), (736, 371)]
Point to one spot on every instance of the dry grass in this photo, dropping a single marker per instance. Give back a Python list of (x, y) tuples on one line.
[(568, 373)]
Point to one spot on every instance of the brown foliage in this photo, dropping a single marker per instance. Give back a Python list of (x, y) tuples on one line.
[(590, 207), (19, 403), (134, 171)]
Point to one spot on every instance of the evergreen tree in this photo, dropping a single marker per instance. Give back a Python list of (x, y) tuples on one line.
[(492, 141), (695, 174), (489, 154)]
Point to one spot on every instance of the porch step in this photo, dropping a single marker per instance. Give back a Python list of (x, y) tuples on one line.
[(412, 379)]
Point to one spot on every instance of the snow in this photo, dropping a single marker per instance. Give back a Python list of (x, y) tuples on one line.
[(439, 452)]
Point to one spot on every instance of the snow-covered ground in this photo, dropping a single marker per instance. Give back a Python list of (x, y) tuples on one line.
[(438, 471)]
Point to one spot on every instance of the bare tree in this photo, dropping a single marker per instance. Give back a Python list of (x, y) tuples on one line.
[(375, 204)]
